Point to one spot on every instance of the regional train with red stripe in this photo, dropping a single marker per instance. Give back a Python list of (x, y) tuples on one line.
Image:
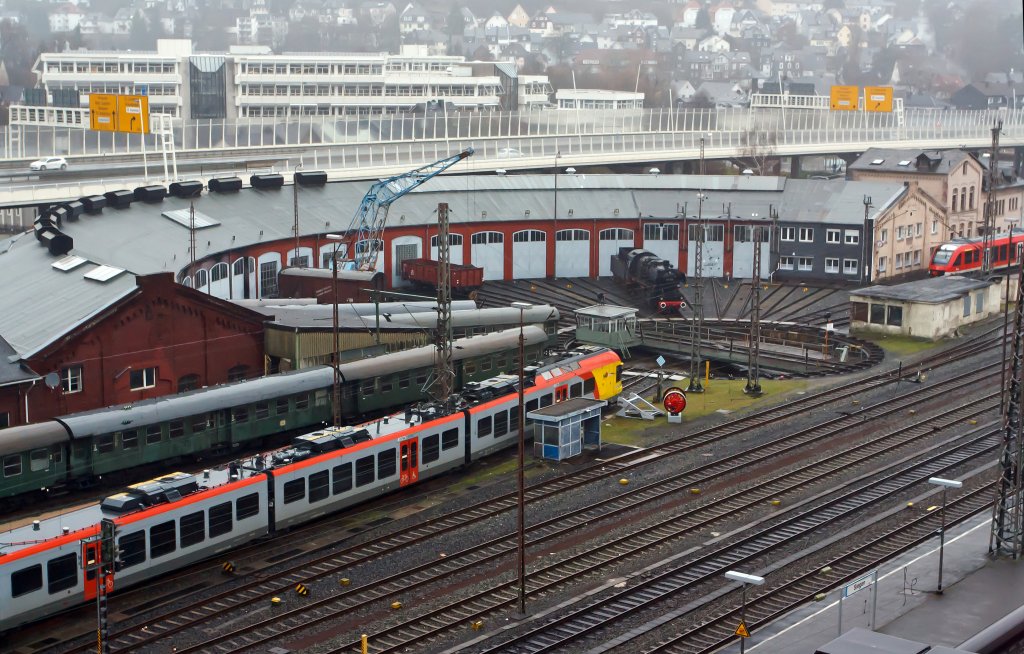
[(967, 254), (180, 519)]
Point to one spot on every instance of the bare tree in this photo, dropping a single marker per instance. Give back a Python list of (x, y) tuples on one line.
[(758, 149)]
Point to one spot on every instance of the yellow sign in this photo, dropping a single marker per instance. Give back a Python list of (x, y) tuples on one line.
[(133, 114), (741, 630), (878, 98), (844, 98), (103, 112)]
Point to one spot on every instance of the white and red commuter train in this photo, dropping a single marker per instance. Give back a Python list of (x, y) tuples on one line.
[(179, 519)]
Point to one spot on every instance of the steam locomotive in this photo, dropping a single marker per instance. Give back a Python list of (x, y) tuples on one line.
[(658, 278)]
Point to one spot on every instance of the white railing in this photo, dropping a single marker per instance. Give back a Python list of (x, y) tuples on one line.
[(789, 127)]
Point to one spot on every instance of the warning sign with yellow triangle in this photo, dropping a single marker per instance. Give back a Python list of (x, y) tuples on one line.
[(741, 631)]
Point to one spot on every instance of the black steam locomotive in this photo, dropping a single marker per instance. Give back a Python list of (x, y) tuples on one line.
[(659, 280)]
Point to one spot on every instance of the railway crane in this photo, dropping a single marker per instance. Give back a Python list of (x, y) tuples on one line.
[(364, 236)]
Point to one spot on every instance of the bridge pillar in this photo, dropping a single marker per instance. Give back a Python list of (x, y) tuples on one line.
[(794, 166)]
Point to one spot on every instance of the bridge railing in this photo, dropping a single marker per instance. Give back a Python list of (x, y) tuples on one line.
[(721, 127)]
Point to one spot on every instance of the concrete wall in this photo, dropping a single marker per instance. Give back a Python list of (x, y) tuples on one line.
[(931, 321)]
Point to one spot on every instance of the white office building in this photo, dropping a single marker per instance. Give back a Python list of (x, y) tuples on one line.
[(598, 99), (251, 81)]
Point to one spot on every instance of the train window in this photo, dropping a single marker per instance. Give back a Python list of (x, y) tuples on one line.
[(281, 406), (320, 397), (200, 424), (240, 414), (483, 427), (294, 490), (513, 420), (500, 423), (367, 387), (27, 580), (193, 528), (104, 443), (341, 478), (319, 486), (450, 439), (302, 402), (421, 379), (262, 410), (153, 434), (957, 261), (485, 364), (364, 471), (348, 390), (431, 448), (39, 460), (403, 380), (220, 519), (176, 428), (387, 384), (62, 573), (133, 548), (546, 400), (532, 405), (129, 439), (469, 367), (618, 373), (12, 465), (576, 390), (162, 539), (588, 386), (386, 464), (501, 362), (1003, 252), (56, 454), (248, 506)]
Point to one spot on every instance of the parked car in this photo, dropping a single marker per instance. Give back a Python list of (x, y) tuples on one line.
[(49, 163), (508, 153)]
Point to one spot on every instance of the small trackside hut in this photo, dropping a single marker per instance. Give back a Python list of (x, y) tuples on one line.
[(927, 308), (562, 430), (608, 325)]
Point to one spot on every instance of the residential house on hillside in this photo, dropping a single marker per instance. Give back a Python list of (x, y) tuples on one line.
[(987, 95), (688, 37), (413, 18)]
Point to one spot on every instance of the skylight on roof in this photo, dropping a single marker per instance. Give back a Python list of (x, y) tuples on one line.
[(69, 262), (905, 162), (103, 273), (181, 217), (877, 162)]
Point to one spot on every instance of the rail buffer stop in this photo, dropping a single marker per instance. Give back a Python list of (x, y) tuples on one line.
[(562, 430)]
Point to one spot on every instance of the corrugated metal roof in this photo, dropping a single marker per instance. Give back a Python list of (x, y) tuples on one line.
[(41, 303), (11, 371)]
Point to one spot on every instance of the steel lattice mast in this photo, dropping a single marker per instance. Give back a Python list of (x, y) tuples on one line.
[(444, 376), (697, 321), (753, 386), (1007, 539), (990, 203)]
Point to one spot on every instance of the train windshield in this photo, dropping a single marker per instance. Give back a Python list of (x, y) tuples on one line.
[(942, 256)]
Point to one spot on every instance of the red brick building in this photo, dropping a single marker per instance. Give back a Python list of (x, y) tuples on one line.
[(153, 339)]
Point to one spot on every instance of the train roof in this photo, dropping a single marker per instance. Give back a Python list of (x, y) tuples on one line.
[(483, 317), (171, 407), (30, 437), (82, 522)]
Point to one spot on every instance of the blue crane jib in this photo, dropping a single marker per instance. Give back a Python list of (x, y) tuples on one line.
[(364, 236)]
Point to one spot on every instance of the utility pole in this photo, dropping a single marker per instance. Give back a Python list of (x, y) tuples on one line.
[(753, 386), (1007, 538), (444, 376), (295, 221), (192, 243), (990, 203)]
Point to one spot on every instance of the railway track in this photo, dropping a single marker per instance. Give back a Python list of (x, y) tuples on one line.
[(257, 589), (749, 549), (332, 607)]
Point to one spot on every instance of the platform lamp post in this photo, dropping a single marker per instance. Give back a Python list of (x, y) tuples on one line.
[(746, 580), (336, 388), (520, 479), (869, 238), (944, 483)]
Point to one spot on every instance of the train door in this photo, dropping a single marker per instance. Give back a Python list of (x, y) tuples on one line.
[(91, 561), (410, 471)]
